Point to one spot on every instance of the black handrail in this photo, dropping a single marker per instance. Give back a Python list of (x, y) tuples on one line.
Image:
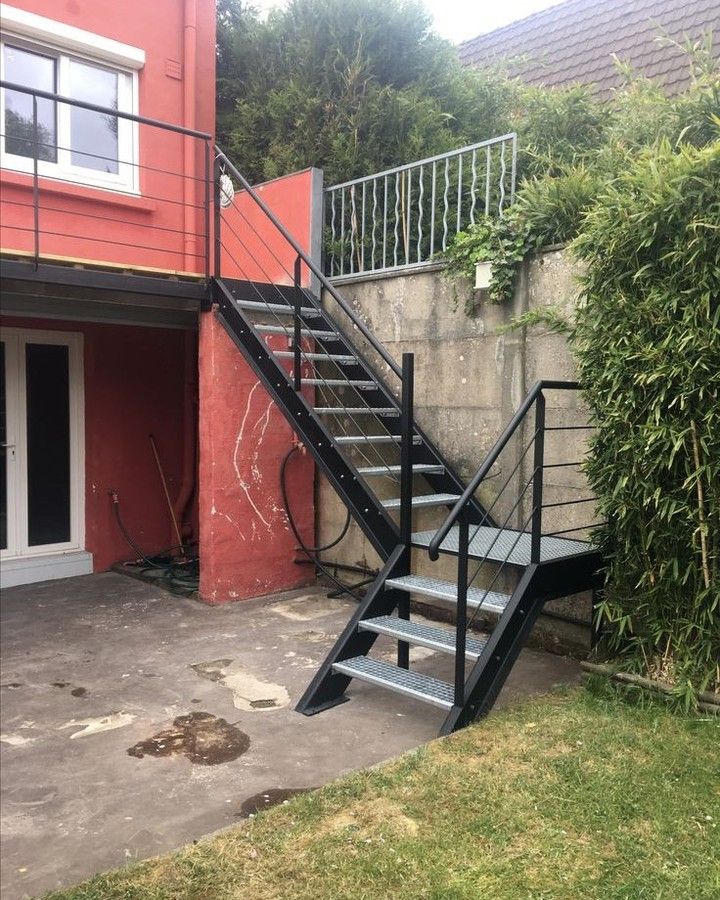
[(105, 110), (365, 331), (491, 458)]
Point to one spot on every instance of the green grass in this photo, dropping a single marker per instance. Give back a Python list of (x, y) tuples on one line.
[(573, 796)]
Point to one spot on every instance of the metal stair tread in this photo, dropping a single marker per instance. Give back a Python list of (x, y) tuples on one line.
[(423, 500), (338, 382), (411, 684), (374, 439), (418, 469), (356, 410), (288, 331), (513, 546), (490, 601), (282, 308), (319, 357), (441, 639)]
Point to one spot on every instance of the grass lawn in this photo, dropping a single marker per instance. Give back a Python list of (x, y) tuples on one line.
[(573, 796)]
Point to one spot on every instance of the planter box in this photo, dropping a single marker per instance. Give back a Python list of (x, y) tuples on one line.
[(483, 275)]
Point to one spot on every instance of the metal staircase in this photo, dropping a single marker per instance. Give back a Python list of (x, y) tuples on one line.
[(351, 404)]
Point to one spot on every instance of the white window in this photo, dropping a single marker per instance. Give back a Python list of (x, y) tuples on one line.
[(74, 144)]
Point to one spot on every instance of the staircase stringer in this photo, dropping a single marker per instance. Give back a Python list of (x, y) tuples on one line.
[(539, 583), (372, 518), (327, 687)]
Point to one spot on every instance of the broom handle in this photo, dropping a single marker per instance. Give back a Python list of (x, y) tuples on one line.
[(167, 493)]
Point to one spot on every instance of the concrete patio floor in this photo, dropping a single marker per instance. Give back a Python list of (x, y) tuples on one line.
[(97, 666)]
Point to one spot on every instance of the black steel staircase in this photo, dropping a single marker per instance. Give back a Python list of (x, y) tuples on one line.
[(352, 406)]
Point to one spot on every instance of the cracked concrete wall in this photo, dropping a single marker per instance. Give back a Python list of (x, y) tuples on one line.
[(470, 377)]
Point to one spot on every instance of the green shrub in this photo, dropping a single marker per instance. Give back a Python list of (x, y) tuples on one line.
[(647, 341)]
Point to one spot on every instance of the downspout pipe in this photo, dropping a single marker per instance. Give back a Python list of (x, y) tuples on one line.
[(190, 144)]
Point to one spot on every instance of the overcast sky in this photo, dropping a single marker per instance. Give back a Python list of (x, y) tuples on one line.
[(459, 20)]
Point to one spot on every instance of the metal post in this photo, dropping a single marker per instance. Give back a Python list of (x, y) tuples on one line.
[(461, 612), (36, 187), (537, 492), (406, 487), (208, 201), (217, 220), (297, 336)]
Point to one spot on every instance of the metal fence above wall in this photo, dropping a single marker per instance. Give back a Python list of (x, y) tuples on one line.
[(405, 217)]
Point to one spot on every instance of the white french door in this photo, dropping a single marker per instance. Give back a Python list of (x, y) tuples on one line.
[(42, 444)]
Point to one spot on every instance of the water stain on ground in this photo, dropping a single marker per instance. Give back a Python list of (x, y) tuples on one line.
[(201, 737), (265, 799), (79, 692)]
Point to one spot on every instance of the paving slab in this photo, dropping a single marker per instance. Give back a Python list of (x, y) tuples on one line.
[(134, 721)]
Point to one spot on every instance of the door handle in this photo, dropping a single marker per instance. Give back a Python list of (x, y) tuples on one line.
[(7, 446)]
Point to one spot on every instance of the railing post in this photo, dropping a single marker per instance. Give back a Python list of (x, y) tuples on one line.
[(208, 203), (297, 333), (538, 477), (406, 486), (461, 611), (36, 188), (217, 219)]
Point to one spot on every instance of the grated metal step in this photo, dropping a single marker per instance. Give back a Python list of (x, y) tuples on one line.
[(490, 601), (411, 684), (423, 500), (319, 357), (339, 382), (499, 545), (418, 469), (422, 635), (281, 308), (374, 439), (288, 331), (356, 411)]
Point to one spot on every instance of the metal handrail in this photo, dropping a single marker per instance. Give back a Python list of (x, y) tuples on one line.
[(424, 162), (491, 459), (359, 324), (105, 110)]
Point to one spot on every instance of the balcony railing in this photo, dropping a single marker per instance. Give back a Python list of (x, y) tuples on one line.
[(82, 182), (404, 217)]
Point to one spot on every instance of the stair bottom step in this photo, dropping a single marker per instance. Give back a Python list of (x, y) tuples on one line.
[(411, 684)]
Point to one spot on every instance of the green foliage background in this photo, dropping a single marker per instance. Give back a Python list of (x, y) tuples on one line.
[(647, 341)]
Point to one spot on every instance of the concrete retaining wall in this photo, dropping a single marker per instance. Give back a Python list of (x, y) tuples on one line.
[(469, 379)]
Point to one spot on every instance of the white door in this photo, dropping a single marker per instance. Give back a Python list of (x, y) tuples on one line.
[(41, 457)]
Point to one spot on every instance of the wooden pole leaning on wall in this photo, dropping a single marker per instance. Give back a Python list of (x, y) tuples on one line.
[(167, 497)]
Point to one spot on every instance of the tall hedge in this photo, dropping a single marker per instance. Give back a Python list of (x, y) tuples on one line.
[(647, 340)]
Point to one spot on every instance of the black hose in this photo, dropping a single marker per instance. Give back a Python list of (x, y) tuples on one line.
[(311, 552)]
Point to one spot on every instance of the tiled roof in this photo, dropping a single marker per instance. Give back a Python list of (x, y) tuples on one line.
[(574, 42)]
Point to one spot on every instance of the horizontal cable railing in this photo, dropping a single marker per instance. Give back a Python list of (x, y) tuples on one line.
[(403, 217), (92, 184), (522, 533)]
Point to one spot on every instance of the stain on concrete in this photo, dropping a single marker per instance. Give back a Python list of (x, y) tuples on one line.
[(99, 724), (15, 740), (249, 692), (201, 737), (308, 608), (12, 685), (79, 692), (265, 799), (61, 684)]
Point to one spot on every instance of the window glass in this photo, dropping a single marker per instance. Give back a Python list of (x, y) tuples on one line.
[(93, 136), (36, 71)]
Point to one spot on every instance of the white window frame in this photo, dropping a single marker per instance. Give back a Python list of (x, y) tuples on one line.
[(33, 33), (16, 340)]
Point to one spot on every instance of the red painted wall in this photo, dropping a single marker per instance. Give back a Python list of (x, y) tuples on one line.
[(246, 546), (133, 388), (162, 227), (253, 248)]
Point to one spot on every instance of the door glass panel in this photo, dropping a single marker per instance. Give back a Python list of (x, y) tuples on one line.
[(48, 443), (35, 71), (93, 136), (3, 454)]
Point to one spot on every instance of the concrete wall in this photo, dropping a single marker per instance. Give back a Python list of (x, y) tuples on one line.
[(469, 379)]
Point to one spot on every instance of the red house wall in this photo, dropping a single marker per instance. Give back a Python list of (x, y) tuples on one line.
[(132, 379), (161, 228)]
